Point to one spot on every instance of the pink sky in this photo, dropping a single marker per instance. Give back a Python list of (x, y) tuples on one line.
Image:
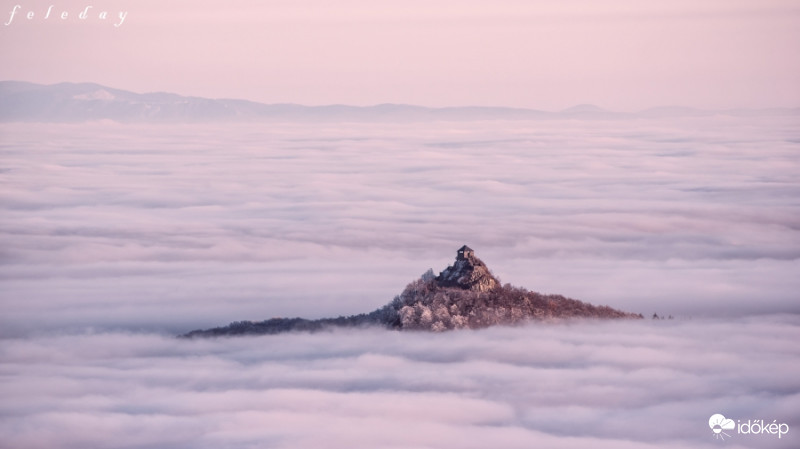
[(620, 54)]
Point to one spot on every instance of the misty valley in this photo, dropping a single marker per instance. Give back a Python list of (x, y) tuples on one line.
[(118, 237)]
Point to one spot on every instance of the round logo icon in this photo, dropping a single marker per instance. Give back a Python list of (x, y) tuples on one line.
[(719, 424)]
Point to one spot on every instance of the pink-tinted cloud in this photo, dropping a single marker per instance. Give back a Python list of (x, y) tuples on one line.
[(646, 384), (109, 225)]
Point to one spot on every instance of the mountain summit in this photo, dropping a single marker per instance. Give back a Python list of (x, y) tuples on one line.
[(468, 273), (464, 295)]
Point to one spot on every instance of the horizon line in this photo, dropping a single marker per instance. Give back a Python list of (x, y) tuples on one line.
[(590, 107)]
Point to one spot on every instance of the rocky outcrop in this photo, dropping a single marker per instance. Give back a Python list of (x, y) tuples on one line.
[(464, 295), (468, 273)]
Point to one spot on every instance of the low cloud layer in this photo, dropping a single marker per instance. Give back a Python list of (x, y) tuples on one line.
[(620, 384), (176, 227)]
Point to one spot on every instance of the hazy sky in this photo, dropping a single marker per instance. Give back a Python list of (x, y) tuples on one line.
[(620, 54)]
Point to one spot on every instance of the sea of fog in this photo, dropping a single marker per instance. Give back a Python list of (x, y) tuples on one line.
[(640, 384), (114, 238), (175, 227)]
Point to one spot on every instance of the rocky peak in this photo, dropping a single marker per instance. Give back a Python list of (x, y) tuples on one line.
[(465, 295), (468, 272)]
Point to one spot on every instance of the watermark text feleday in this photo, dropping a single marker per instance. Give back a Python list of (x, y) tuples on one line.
[(18, 14)]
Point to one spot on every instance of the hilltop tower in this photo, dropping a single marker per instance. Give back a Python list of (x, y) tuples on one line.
[(468, 272), (465, 252)]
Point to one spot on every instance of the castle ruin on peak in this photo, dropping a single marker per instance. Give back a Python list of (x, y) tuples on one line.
[(468, 272)]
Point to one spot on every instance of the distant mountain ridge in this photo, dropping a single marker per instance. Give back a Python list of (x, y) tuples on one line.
[(82, 102), (464, 295)]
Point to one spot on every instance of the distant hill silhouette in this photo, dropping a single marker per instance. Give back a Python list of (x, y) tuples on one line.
[(464, 295), (83, 102)]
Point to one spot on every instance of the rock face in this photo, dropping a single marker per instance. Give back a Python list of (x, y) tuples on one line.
[(468, 273), (464, 295)]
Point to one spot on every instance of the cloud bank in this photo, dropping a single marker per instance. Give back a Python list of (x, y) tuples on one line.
[(625, 384), (171, 228), (178, 227)]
